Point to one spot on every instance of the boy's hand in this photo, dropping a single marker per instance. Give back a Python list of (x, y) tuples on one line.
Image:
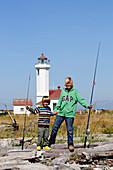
[(55, 112), (27, 107), (90, 107)]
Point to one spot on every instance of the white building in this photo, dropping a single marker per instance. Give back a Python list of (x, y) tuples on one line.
[(19, 106), (42, 83), (42, 88)]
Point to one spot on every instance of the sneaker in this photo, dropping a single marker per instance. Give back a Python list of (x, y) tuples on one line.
[(38, 148), (47, 148), (71, 148)]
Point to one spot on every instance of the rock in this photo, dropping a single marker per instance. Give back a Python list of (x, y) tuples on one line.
[(74, 166), (60, 160), (3, 142), (12, 164), (33, 146), (3, 151), (63, 167)]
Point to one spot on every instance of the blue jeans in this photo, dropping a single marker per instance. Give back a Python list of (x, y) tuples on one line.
[(69, 124)]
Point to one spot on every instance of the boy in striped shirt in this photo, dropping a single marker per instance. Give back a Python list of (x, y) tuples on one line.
[(44, 113)]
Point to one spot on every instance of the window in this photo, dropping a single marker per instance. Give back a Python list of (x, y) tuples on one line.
[(38, 72), (21, 109), (54, 104)]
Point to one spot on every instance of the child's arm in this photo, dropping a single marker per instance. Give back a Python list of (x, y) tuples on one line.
[(37, 110), (32, 110), (52, 114)]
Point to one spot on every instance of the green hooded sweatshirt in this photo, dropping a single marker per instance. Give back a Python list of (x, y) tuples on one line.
[(67, 103)]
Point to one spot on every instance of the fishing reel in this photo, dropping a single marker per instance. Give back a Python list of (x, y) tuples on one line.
[(88, 132)]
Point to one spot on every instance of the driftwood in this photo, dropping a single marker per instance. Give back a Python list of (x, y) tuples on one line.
[(79, 145), (96, 152), (99, 155), (99, 152)]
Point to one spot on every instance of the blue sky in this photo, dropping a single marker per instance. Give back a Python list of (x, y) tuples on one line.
[(68, 33)]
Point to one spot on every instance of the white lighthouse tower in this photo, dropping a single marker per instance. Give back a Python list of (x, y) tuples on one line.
[(42, 78)]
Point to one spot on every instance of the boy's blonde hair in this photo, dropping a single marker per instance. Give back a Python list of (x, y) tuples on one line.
[(46, 99), (67, 80)]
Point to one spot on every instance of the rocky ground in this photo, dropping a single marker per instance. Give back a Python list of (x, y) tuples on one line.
[(97, 156)]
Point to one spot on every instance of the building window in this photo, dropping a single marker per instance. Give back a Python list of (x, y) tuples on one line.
[(54, 104), (21, 109), (38, 72)]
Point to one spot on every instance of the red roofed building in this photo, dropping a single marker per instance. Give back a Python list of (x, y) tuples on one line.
[(19, 106), (55, 94), (54, 97)]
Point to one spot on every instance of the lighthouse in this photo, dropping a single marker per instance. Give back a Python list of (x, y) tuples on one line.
[(42, 78)]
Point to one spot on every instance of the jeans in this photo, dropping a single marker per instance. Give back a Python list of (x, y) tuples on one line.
[(69, 124)]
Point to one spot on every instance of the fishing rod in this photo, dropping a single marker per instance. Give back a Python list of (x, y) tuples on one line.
[(26, 113), (87, 129)]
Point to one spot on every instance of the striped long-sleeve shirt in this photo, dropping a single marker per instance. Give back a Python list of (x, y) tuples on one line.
[(44, 115)]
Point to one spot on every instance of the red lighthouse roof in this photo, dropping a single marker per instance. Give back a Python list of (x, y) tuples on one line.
[(42, 57)]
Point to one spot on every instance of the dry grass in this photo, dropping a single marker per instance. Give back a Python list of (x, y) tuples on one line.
[(99, 123)]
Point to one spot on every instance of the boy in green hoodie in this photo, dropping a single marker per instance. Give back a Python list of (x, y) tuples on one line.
[(65, 110)]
